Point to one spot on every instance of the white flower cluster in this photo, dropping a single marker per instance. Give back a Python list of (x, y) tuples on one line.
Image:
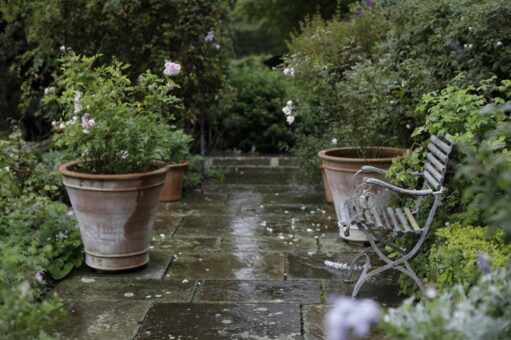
[(289, 72), (349, 315), (49, 90), (334, 141), (87, 122), (210, 37), (288, 111), (171, 69)]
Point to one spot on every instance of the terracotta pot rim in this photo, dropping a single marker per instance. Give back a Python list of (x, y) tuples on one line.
[(177, 165), (323, 154), (65, 170)]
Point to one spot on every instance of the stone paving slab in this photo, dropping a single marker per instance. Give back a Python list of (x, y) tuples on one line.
[(227, 266), (260, 188), (221, 321), (278, 244), (102, 321), (219, 226), (89, 289), (314, 329), (259, 291), (312, 266), (383, 288), (313, 322), (244, 260), (158, 263), (174, 245), (259, 176)]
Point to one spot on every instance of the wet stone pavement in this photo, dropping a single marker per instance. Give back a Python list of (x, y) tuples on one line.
[(243, 260)]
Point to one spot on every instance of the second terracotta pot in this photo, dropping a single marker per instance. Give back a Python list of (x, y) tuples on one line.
[(340, 164), (173, 186)]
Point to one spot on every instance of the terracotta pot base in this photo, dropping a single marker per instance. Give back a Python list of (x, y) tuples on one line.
[(116, 262)]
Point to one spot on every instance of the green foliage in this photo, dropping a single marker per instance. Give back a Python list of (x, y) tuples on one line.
[(45, 236), (38, 239), (114, 125), (22, 316), (453, 36), (255, 121), (274, 20), (487, 167), (483, 312), (141, 33), (457, 244)]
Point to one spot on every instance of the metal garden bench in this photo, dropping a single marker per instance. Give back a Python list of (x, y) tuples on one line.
[(384, 225)]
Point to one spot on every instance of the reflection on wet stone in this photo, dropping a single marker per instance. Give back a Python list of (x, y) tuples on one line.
[(222, 321)]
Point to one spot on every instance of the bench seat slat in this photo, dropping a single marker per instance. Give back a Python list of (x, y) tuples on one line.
[(393, 218), (438, 176), (438, 142), (376, 218), (436, 163), (431, 181), (439, 154), (403, 220)]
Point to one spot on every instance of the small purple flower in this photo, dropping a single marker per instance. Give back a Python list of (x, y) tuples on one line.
[(217, 46), (369, 3), (38, 277), (482, 262), (171, 87), (349, 315)]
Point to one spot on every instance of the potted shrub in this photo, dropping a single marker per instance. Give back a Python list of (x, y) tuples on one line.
[(176, 156), (118, 131)]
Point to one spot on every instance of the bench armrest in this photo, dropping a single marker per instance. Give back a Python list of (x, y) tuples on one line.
[(368, 168), (383, 184)]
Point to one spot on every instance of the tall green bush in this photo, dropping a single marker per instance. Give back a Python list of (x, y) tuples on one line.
[(141, 33), (255, 121)]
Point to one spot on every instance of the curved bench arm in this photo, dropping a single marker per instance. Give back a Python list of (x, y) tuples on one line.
[(369, 168), (383, 184)]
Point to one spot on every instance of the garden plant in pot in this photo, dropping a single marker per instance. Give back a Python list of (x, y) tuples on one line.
[(370, 126), (176, 155), (118, 131)]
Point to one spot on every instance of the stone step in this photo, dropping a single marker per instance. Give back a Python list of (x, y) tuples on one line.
[(230, 162)]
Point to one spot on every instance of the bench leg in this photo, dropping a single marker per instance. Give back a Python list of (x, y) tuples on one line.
[(397, 264)]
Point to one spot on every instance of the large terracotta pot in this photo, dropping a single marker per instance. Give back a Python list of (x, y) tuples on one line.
[(328, 193), (340, 164), (173, 185), (116, 215)]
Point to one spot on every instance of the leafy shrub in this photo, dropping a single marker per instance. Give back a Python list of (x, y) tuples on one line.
[(457, 244), (22, 316), (483, 312), (45, 236), (143, 34), (449, 37), (114, 125), (469, 113), (487, 168), (255, 121)]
